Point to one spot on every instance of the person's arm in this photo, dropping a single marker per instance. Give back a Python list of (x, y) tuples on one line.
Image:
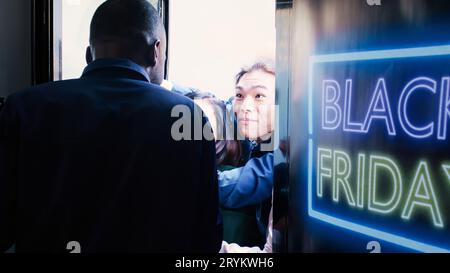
[(9, 135), (248, 185)]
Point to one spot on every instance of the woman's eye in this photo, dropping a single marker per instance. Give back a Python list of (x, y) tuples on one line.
[(238, 96), (260, 96)]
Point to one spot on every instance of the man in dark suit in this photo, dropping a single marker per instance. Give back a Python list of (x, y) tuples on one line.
[(92, 163)]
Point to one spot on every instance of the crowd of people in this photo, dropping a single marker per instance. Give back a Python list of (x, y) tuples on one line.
[(93, 160)]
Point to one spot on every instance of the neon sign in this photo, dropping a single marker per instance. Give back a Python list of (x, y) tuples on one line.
[(337, 167), (333, 115), (369, 135)]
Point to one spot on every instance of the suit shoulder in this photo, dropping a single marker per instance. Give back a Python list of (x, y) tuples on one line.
[(171, 98), (38, 90)]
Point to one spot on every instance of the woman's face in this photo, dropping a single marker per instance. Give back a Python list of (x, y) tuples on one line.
[(255, 104)]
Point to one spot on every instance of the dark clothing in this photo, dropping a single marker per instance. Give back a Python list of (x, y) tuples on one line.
[(248, 185), (263, 212), (93, 160), (246, 192), (239, 225)]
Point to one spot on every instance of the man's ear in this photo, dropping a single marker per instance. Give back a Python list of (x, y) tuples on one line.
[(155, 53), (89, 58)]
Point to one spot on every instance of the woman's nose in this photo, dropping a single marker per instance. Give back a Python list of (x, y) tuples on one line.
[(248, 105)]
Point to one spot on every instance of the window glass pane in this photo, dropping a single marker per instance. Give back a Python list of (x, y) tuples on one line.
[(209, 41)]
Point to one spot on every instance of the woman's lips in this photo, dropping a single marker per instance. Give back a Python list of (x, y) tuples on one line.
[(246, 121)]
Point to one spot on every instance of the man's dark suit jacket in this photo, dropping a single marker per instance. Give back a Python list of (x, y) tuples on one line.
[(92, 160)]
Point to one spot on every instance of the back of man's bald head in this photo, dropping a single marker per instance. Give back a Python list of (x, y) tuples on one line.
[(126, 19), (126, 29)]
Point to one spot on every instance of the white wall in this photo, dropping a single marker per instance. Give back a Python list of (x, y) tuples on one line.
[(210, 40), (15, 45), (76, 20)]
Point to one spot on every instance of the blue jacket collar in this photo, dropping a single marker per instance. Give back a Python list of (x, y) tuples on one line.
[(116, 63)]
